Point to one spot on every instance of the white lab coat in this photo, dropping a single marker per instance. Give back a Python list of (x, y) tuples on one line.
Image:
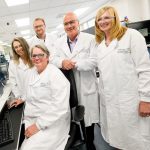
[(47, 105), (124, 68), (48, 42), (86, 82), (17, 75)]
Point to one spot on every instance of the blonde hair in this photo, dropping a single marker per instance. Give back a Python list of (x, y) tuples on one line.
[(117, 31), (43, 48), (25, 48)]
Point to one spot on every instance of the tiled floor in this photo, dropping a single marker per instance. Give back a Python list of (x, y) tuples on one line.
[(99, 142)]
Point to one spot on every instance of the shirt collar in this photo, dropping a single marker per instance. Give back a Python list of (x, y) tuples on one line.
[(74, 41)]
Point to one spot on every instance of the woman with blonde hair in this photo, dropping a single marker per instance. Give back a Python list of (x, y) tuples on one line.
[(18, 69), (47, 110), (124, 66)]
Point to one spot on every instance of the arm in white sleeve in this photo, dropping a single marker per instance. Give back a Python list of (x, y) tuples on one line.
[(12, 79), (89, 61), (56, 58), (142, 63)]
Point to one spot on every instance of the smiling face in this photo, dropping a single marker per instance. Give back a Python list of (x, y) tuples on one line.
[(105, 22), (39, 28), (39, 59), (71, 25), (18, 48)]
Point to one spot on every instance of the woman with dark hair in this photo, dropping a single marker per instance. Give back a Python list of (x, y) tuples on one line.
[(18, 68), (124, 67)]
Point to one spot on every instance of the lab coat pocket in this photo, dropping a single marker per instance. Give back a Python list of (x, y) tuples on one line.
[(124, 55), (90, 92), (88, 83), (145, 126), (124, 50), (41, 89)]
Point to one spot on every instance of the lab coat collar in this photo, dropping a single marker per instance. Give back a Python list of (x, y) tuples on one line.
[(36, 76), (104, 50), (80, 45), (77, 49), (65, 47), (22, 65), (74, 41), (43, 40)]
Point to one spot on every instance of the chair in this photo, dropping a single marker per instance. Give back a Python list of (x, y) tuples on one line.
[(77, 128)]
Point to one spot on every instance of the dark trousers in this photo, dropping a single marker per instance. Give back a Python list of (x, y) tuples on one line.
[(22, 136), (90, 137)]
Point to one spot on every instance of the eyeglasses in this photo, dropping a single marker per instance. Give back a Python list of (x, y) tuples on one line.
[(106, 18), (40, 56), (70, 22), (39, 26)]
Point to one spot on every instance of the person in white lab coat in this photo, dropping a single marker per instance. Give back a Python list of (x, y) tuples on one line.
[(18, 69), (76, 51), (124, 67), (47, 111), (42, 37)]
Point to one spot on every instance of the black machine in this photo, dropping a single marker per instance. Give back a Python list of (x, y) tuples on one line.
[(6, 130), (144, 28), (3, 69)]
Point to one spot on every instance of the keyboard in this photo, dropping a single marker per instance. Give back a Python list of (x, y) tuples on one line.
[(6, 130)]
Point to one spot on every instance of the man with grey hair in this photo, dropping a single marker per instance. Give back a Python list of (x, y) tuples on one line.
[(75, 51)]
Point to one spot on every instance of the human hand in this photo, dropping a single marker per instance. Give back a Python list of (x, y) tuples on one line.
[(68, 64), (31, 130), (144, 109), (14, 103)]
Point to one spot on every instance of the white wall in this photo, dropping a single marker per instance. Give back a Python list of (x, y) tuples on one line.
[(136, 10)]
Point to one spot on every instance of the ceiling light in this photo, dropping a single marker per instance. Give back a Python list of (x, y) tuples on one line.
[(54, 32), (22, 22), (26, 37), (16, 2), (25, 32), (59, 26), (4, 43), (80, 11)]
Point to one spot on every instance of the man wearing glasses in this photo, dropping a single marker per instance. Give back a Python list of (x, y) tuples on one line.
[(75, 51), (41, 37)]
